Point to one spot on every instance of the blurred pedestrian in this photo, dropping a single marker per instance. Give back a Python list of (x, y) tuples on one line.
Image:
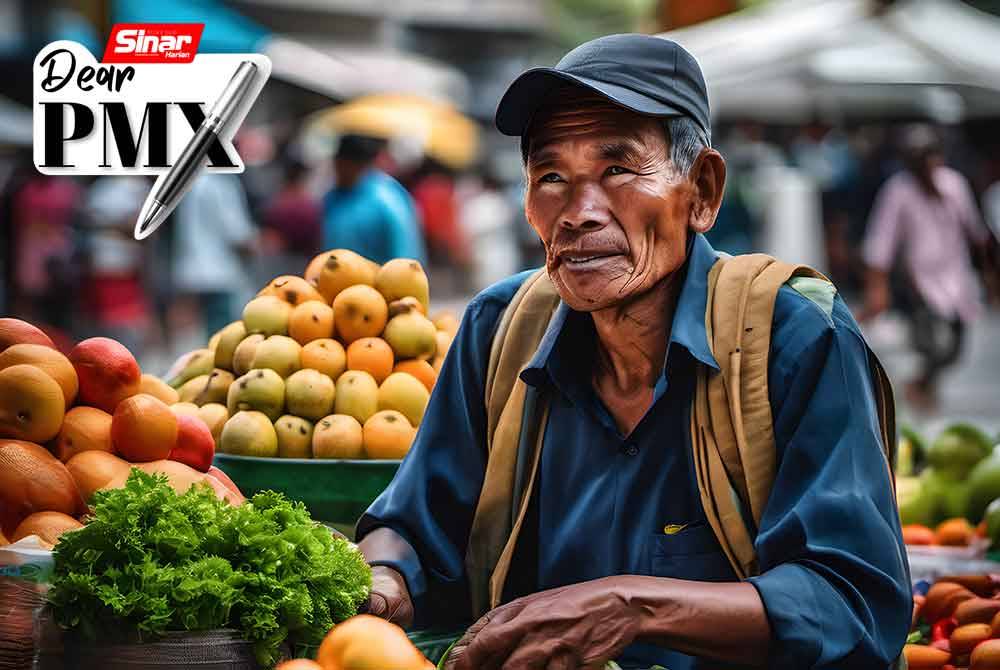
[(214, 239), (292, 217), (44, 211), (115, 291), (433, 191), (368, 211), (292, 224), (488, 219), (928, 213)]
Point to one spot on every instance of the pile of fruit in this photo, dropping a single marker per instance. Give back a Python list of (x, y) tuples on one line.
[(956, 532), (956, 477), (956, 625), (73, 424), (338, 363)]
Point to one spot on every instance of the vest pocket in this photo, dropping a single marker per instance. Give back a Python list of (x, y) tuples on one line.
[(690, 553)]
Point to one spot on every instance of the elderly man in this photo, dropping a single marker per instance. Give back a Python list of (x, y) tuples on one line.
[(616, 557)]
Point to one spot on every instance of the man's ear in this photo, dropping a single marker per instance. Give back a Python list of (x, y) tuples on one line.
[(708, 176)]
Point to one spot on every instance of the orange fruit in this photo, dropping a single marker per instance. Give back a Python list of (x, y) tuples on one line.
[(447, 321), (356, 395), (108, 372), (986, 655), (158, 388), (366, 642), (299, 664), (48, 526), (311, 320), (315, 267), (405, 394), (917, 535), (46, 359), (32, 404), (954, 533), (420, 369), (359, 311), (33, 480), (404, 305), (143, 428), (371, 354), (292, 289), (96, 470), (388, 435), (15, 331), (343, 268), (965, 638), (401, 278), (326, 356), (338, 436), (83, 429)]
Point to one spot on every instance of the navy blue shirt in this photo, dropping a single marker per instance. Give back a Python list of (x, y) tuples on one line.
[(834, 578)]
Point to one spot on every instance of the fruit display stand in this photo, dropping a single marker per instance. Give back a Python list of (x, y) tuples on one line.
[(336, 492)]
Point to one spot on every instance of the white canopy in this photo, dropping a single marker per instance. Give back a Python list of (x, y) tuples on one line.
[(347, 72), (792, 59)]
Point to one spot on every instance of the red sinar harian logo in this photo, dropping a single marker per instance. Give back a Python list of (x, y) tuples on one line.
[(153, 42)]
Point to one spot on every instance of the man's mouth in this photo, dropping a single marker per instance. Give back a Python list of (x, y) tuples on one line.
[(586, 260)]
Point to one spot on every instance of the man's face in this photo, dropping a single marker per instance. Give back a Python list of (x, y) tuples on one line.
[(606, 201)]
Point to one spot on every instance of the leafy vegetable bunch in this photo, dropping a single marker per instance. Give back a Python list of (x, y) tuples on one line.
[(151, 561)]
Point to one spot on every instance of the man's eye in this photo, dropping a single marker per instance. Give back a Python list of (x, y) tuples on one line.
[(550, 178), (617, 169)]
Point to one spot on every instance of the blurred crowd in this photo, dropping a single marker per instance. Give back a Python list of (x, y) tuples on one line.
[(862, 196)]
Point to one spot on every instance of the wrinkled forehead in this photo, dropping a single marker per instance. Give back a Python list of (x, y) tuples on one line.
[(573, 111)]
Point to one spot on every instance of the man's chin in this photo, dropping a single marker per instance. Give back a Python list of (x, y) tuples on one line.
[(592, 294)]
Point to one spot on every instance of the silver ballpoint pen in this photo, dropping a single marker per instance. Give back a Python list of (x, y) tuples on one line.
[(168, 191)]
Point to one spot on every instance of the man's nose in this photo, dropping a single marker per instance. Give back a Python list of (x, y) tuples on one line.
[(587, 208)]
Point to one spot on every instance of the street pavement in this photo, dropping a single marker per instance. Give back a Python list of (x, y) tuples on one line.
[(970, 390)]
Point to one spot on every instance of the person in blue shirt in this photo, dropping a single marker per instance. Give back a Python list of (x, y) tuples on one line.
[(618, 560), (367, 211)]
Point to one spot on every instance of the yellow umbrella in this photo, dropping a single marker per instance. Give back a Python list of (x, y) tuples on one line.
[(443, 132)]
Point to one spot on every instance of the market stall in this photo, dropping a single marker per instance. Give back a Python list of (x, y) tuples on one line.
[(176, 518)]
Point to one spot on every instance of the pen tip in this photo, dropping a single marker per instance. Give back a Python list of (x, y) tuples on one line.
[(153, 214)]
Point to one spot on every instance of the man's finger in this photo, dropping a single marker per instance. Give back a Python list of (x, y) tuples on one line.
[(490, 647), (378, 605)]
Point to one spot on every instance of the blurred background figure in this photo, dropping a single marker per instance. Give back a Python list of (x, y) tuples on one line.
[(115, 281), (488, 219), (43, 214), (214, 239), (367, 210), (433, 190), (292, 220), (928, 215)]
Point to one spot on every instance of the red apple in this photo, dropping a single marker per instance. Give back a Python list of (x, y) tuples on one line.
[(108, 373), (195, 445)]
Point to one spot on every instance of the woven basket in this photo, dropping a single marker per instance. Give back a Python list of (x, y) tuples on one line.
[(209, 650)]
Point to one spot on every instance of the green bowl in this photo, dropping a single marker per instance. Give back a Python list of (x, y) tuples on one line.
[(336, 491)]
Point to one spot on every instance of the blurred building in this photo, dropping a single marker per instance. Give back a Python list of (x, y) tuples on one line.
[(464, 51)]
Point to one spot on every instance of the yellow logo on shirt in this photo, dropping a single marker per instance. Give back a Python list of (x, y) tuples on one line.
[(674, 528)]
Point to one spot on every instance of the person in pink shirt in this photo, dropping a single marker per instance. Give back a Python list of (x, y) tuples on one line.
[(925, 218)]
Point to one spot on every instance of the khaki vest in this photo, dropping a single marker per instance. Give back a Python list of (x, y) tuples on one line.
[(732, 435)]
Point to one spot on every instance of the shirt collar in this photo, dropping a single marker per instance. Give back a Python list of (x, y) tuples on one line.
[(687, 330)]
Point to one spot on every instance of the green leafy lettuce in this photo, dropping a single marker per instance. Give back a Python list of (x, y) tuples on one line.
[(151, 561)]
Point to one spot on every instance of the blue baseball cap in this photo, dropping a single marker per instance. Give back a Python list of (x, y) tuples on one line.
[(646, 74)]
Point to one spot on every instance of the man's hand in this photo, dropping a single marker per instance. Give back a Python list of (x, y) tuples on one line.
[(578, 626), (878, 295), (389, 598)]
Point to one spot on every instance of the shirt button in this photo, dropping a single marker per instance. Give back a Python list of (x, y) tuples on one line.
[(630, 449)]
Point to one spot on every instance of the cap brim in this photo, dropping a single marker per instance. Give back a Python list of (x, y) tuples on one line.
[(529, 91)]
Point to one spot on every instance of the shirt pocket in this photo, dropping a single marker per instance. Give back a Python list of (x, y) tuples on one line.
[(691, 553)]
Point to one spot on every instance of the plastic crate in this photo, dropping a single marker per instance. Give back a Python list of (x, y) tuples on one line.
[(335, 491)]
